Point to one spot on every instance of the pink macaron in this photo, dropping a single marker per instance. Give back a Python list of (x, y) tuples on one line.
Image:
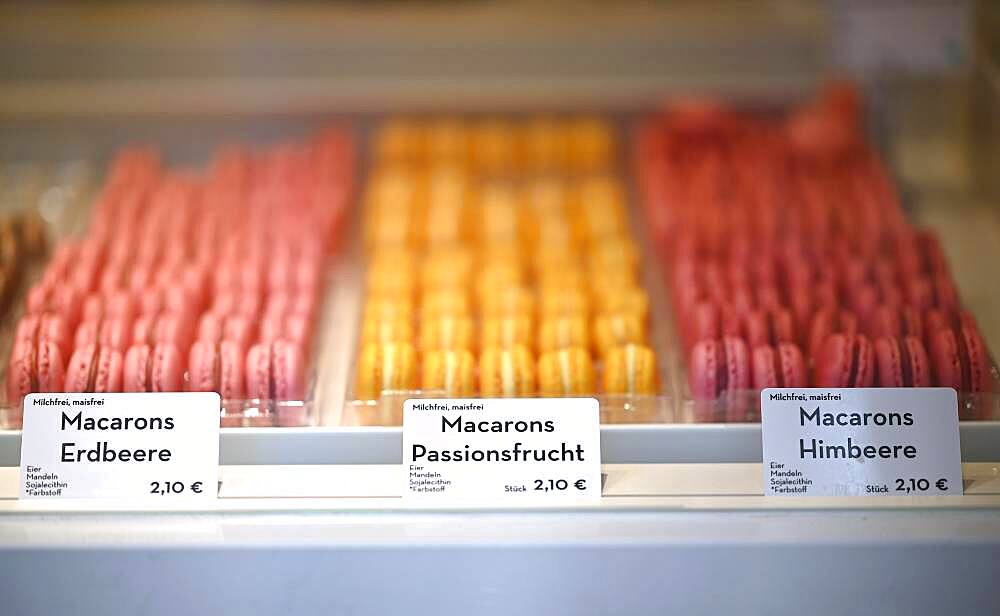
[(173, 298), (780, 365), (718, 366), (36, 365), (153, 368), (176, 329), (62, 299), (236, 328), (117, 304), (769, 327), (114, 332), (245, 303), (275, 371), (44, 327), (217, 367), (291, 327), (94, 368)]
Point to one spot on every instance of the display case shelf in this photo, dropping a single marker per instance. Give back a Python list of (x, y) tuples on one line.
[(622, 444)]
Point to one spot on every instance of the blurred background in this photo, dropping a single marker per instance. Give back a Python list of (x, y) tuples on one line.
[(78, 79)]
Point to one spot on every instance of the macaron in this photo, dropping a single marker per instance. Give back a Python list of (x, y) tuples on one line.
[(110, 331), (769, 327), (118, 304), (563, 332), (507, 372), (718, 366), (613, 330), (508, 300), (443, 333), (246, 303), (845, 360), (895, 321), (566, 372), (152, 368), (385, 367), (779, 365), (48, 327), (172, 298), (630, 299), (451, 372), (445, 302), (302, 303), (507, 331), (827, 322), (36, 365), (275, 371), (932, 291), (630, 369), (59, 298), (176, 329), (218, 367), (291, 327), (234, 327), (959, 358), (94, 368), (902, 362)]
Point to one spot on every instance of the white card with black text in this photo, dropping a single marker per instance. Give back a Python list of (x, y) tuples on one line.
[(861, 442), (508, 451), (161, 446)]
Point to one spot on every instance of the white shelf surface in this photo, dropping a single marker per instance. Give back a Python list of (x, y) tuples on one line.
[(693, 538)]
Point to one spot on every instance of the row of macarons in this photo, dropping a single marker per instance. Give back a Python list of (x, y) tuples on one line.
[(397, 367), (956, 358), (270, 371)]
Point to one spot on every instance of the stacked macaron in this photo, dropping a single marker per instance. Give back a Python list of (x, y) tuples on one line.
[(791, 262), (501, 262), (192, 283)]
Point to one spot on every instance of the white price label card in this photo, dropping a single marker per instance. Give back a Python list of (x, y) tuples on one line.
[(861, 442), (505, 451), (161, 446)]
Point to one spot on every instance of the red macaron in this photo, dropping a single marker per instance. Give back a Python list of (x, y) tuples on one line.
[(902, 320), (902, 362), (959, 358), (845, 360), (827, 322)]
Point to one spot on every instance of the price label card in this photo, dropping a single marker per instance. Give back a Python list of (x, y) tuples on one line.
[(126, 446), (861, 442), (511, 451)]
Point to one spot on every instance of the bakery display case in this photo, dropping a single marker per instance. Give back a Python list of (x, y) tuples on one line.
[(501, 261), (184, 282), (663, 207)]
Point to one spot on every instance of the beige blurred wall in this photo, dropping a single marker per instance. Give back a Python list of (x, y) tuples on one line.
[(248, 56)]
